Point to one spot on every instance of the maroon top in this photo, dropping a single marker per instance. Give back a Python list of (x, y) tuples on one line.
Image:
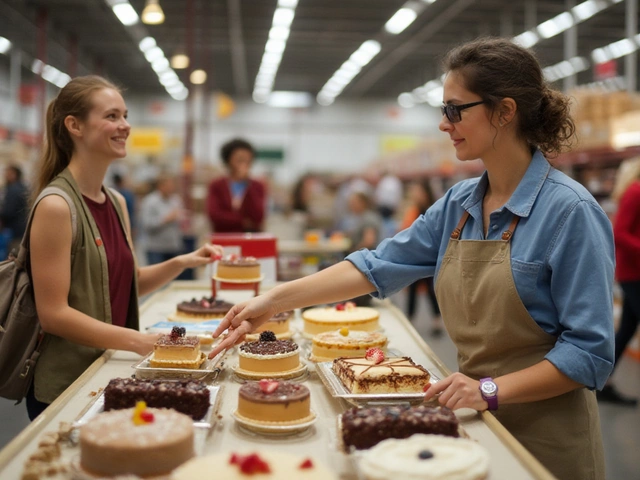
[(626, 231), (224, 218), (119, 258)]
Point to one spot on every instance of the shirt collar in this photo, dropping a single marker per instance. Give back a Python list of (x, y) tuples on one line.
[(523, 198)]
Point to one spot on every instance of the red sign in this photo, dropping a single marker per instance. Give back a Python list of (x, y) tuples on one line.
[(608, 69), (28, 94)]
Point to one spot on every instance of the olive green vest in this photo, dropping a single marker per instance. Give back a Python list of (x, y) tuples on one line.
[(61, 361)]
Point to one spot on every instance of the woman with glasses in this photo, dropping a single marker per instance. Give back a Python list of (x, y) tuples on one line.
[(522, 259)]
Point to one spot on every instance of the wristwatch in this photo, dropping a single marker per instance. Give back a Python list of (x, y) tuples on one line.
[(489, 392)]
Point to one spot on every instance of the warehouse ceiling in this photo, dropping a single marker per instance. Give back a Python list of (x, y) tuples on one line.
[(228, 39)]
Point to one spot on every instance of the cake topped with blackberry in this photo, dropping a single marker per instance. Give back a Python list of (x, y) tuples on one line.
[(269, 355), (176, 350)]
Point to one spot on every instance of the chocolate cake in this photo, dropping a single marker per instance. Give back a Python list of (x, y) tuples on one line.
[(268, 356), (269, 348), (274, 401), (364, 427), (190, 397), (206, 307)]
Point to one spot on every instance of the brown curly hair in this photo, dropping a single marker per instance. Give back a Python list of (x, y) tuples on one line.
[(496, 68)]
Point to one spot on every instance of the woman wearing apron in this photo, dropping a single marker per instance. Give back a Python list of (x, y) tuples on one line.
[(522, 259)]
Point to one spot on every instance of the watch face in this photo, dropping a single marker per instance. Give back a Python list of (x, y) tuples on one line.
[(489, 388)]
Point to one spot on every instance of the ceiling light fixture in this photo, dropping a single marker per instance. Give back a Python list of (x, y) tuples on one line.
[(198, 77), (152, 13), (400, 20), (125, 13), (179, 61), (5, 45)]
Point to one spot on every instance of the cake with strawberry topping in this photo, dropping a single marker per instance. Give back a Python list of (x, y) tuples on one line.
[(268, 356), (176, 350), (141, 441), (274, 402), (326, 319), (278, 324), (345, 342), (374, 373), (263, 464), (234, 267), (206, 308)]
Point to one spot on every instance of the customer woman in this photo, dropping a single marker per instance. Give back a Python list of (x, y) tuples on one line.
[(523, 260), (626, 231), (87, 285)]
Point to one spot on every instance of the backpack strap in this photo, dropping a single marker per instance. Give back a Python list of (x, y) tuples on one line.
[(23, 253)]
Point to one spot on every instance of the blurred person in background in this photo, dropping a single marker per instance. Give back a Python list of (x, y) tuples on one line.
[(86, 286), (365, 230), (626, 232), (129, 197), (388, 197), (236, 203), (15, 206), (421, 198), (342, 216)]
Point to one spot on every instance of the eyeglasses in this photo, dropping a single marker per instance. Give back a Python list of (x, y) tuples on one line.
[(452, 112)]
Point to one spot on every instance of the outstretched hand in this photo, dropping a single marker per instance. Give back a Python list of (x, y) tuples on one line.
[(203, 255), (242, 319), (457, 391)]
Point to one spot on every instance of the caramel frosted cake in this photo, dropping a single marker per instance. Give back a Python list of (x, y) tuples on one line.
[(326, 319), (234, 267), (190, 397), (345, 342), (206, 308), (426, 457), (269, 355), (263, 464), (278, 324), (365, 427), (274, 401), (176, 350), (140, 441), (374, 373)]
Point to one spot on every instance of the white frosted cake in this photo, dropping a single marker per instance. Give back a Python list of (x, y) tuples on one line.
[(325, 319)]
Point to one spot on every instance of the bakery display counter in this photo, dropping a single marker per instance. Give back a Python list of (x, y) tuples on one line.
[(508, 459)]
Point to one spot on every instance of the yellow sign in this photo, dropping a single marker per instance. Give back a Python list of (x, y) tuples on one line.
[(146, 140), (398, 143)]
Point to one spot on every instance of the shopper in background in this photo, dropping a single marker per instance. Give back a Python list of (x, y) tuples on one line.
[(529, 309), (236, 203), (366, 226), (626, 231), (15, 208), (421, 197), (86, 287), (388, 198), (120, 185)]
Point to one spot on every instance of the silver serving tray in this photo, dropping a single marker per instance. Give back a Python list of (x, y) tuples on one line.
[(337, 389), (211, 367)]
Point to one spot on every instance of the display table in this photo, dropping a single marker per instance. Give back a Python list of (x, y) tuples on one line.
[(509, 460)]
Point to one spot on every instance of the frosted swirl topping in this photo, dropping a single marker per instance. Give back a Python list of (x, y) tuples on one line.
[(447, 458)]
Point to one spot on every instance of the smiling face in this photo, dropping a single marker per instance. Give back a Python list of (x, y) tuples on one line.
[(105, 130), (473, 137)]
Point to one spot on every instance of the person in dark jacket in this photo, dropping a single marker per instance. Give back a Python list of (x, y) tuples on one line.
[(15, 207)]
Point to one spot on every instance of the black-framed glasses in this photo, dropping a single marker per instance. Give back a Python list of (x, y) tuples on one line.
[(452, 112)]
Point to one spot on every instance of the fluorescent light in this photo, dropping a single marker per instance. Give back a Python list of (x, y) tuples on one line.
[(179, 61), (198, 77), (146, 44), (279, 33), (406, 100), (275, 46), (290, 99), (283, 17), (160, 65), (125, 13), (260, 95), (271, 58), (152, 13), (153, 54), (621, 48), (600, 55), (170, 81), (365, 53), (325, 100), (556, 25), (37, 66), (5, 45), (181, 95), (400, 20), (288, 3), (526, 39), (588, 9)]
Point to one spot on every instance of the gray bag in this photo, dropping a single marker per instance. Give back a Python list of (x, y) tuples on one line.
[(20, 332)]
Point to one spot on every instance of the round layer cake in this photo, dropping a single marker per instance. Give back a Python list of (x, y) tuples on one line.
[(278, 324), (236, 268), (111, 443), (274, 401), (325, 319), (269, 355), (234, 466), (426, 457), (204, 309), (345, 342)]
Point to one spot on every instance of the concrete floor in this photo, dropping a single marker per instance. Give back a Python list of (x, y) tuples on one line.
[(620, 425)]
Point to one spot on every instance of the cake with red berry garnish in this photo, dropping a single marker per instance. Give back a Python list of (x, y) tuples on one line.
[(326, 319), (278, 324), (176, 350), (425, 457), (263, 464), (141, 441), (344, 342), (268, 356), (234, 268), (274, 402), (363, 428), (206, 308), (374, 373)]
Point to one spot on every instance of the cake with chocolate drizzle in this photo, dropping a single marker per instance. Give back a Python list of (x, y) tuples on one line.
[(269, 355)]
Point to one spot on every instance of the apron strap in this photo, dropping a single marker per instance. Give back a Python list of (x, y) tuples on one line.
[(507, 234), (458, 230)]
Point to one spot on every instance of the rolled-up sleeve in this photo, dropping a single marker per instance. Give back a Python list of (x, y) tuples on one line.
[(581, 259), (408, 256)]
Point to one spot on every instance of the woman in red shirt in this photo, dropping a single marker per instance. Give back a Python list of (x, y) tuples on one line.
[(626, 231)]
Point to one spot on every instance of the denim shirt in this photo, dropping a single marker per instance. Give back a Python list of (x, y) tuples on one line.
[(562, 260)]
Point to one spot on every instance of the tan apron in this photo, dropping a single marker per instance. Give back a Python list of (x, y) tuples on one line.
[(495, 335)]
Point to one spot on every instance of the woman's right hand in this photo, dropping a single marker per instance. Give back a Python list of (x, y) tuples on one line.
[(242, 319)]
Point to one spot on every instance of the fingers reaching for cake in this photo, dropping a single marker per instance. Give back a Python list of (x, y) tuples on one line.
[(457, 391)]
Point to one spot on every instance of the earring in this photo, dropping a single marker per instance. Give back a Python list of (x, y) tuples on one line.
[(500, 123)]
